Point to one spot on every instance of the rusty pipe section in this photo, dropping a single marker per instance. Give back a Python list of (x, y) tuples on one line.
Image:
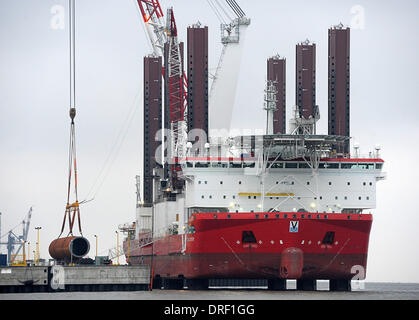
[(66, 248)]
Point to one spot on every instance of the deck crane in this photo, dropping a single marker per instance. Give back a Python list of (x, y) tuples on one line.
[(163, 36), (223, 88), (155, 25), (177, 94)]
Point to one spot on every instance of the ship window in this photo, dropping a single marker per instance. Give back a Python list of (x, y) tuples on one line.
[(291, 165), (240, 182), (249, 197), (329, 165), (189, 164), (349, 183), (308, 183), (202, 165), (309, 216), (330, 183), (370, 183), (266, 216), (219, 165), (235, 165), (210, 197), (379, 166), (248, 237), (206, 182), (249, 165), (224, 197), (277, 165), (349, 166), (199, 182), (359, 198), (366, 166), (221, 182), (234, 197), (202, 197), (368, 198), (285, 216), (303, 165), (277, 216), (257, 216)]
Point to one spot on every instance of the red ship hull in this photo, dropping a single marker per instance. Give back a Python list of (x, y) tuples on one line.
[(261, 246)]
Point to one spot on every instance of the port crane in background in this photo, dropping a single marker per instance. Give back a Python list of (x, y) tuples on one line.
[(15, 242)]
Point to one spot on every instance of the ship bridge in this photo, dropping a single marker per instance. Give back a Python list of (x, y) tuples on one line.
[(292, 146)]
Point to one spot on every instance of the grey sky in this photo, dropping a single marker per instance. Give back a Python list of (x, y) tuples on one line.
[(111, 43)]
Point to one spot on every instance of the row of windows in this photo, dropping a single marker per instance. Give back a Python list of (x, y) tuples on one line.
[(291, 183), (287, 165), (277, 198)]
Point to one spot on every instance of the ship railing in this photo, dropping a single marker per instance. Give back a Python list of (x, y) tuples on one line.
[(150, 237), (115, 252), (127, 227), (370, 155)]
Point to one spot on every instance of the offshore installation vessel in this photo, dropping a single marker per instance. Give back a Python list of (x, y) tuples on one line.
[(272, 206)]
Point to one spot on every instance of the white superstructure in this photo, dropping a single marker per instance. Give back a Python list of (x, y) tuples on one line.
[(284, 173)]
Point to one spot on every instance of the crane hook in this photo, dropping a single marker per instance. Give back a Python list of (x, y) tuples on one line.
[(72, 113)]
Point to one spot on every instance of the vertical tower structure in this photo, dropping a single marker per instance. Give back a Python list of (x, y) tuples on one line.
[(197, 75), (339, 83), (152, 121), (173, 89), (277, 73), (305, 79)]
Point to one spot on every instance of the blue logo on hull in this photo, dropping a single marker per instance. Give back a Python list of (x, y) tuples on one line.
[(294, 226)]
